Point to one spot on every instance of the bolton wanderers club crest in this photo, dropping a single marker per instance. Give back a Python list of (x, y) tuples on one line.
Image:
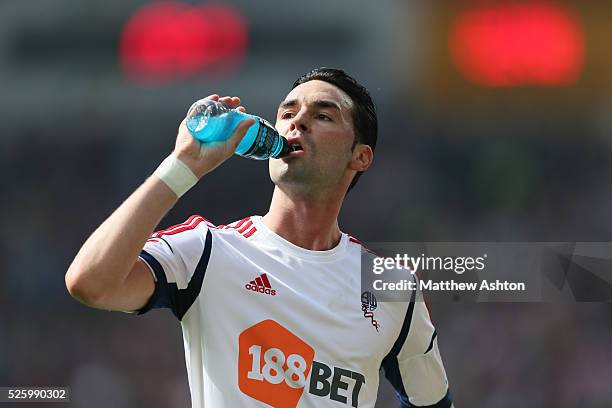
[(368, 305)]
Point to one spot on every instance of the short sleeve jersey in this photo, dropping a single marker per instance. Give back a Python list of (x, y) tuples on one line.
[(269, 324)]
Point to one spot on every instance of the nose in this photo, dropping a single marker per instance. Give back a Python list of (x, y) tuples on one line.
[(299, 122)]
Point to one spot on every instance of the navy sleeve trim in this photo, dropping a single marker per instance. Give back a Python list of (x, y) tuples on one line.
[(390, 363), (399, 343), (168, 295), (433, 337), (186, 297), (159, 299), (166, 242)]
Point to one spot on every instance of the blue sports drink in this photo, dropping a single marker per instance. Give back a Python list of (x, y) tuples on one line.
[(210, 121)]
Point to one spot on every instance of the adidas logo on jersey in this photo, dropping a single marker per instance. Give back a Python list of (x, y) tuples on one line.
[(261, 284)]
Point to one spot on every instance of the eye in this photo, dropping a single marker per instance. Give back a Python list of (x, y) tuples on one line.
[(286, 115), (323, 116)]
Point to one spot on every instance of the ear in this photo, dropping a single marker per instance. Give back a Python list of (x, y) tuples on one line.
[(362, 157)]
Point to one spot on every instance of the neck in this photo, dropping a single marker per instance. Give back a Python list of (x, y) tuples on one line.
[(308, 222)]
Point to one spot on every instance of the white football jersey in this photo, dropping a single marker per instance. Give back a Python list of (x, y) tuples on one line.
[(267, 323)]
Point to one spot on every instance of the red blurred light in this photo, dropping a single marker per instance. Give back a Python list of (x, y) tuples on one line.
[(170, 40), (518, 44)]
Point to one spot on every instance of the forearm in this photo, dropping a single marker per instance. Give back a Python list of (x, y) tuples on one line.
[(106, 258), (105, 272)]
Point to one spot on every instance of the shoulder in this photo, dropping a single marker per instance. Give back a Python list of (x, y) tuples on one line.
[(197, 229), (243, 227), (356, 243), (190, 224), (198, 222)]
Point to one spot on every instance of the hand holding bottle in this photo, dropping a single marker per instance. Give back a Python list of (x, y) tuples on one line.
[(212, 122), (202, 158)]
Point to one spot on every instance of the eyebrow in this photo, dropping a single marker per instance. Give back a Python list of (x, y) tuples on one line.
[(320, 103)]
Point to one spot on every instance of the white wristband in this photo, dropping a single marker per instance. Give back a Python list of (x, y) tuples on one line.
[(176, 174)]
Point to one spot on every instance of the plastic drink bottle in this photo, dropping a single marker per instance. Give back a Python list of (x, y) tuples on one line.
[(210, 121)]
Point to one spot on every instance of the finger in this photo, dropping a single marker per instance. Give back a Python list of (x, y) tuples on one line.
[(231, 101), (240, 132), (227, 101), (241, 109), (213, 97), (244, 125)]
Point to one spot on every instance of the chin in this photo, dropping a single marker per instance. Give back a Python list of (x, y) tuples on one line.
[(290, 178), (277, 173), (281, 171)]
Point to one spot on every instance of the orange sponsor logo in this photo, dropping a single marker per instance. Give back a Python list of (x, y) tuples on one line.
[(273, 364)]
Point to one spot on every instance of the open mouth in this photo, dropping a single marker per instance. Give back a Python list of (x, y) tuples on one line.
[(296, 147)]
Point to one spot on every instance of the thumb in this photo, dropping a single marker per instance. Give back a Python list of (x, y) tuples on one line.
[(239, 133)]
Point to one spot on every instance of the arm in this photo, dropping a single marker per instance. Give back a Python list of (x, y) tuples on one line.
[(106, 272), (414, 365)]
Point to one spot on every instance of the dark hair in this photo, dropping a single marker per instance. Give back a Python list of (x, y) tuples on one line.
[(364, 111)]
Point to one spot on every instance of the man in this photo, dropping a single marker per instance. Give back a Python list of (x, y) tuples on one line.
[(270, 307)]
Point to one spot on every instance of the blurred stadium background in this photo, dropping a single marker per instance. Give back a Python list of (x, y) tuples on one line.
[(496, 125)]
